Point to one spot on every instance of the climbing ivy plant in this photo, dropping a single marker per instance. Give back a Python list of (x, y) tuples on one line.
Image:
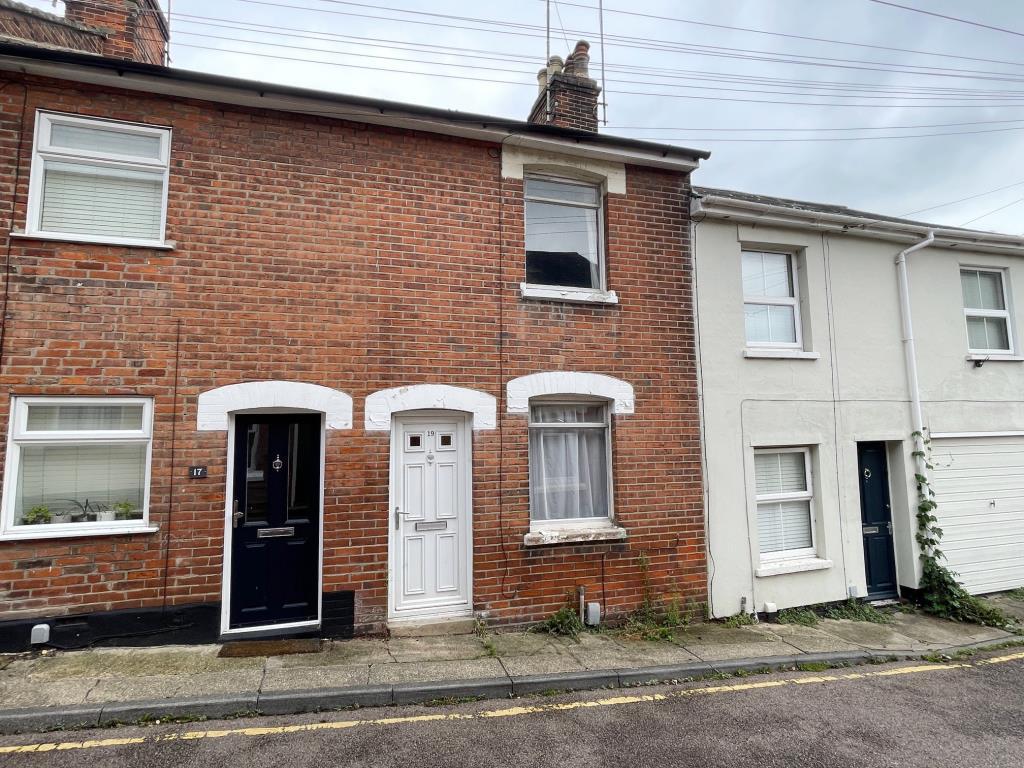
[(940, 592)]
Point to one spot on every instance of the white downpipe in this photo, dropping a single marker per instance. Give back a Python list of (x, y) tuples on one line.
[(910, 350)]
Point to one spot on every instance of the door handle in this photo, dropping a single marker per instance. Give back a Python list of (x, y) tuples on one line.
[(235, 515), (398, 517)]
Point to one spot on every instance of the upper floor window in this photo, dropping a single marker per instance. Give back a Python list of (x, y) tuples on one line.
[(77, 466), (98, 180), (771, 304), (570, 460), (564, 233), (785, 519), (986, 310)]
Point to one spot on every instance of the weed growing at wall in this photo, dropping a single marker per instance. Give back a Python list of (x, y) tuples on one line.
[(941, 594)]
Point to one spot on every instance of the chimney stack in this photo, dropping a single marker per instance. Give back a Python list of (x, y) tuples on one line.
[(132, 29), (568, 95)]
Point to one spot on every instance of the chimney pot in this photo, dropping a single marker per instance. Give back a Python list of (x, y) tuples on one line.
[(567, 95)]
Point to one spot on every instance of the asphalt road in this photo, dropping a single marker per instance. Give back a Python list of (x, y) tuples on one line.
[(907, 714)]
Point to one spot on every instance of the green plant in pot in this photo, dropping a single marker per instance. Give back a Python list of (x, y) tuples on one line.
[(38, 515), (83, 511), (125, 510)]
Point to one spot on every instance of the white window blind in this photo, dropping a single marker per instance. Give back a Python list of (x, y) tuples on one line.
[(68, 418), (770, 305), (986, 311), (64, 476), (91, 200), (98, 180), (569, 477), (784, 518)]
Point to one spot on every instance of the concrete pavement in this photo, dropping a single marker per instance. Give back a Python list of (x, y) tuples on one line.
[(127, 684), (908, 714)]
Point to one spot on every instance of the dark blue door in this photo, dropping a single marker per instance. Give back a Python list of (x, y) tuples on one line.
[(275, 545), (876, 518)]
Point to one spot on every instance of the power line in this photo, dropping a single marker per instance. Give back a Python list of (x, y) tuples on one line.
[(949, 18), (787, 129), (699, 75), (963, 199), (792, 36), (527, 30), (718, 88), (996, 210), (806, 139)]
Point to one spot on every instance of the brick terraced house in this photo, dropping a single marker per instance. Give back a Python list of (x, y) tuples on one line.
[(283, 361)]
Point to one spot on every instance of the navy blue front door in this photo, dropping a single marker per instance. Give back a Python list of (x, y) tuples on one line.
[(876, 518), (275, 541)]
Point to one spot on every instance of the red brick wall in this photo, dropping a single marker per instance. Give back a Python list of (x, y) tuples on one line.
[(358, 258), (127, 29), (28, 26)]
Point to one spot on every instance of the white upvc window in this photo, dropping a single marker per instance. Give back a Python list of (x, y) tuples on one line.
[(771, 300), (100, 181), (986, 311), (564, 233), (785, 501), (77, 466), (570, 463)]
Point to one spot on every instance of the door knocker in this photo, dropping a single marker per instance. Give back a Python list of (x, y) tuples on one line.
[(867, 473), (277, 463)]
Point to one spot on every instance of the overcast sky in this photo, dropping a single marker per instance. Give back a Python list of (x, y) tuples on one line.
[(890, 176)]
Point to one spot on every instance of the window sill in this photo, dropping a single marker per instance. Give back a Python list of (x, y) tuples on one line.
[(69, 533), (574, 535), (165, 245), (978, 357), (780, 354), (777, 568), (564, 293)]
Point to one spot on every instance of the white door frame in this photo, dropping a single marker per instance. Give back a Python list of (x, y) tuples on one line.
[(445, 613), (229, 494)]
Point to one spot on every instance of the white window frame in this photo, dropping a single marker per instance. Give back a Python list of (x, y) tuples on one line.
[(537, 524), (793, 301), (18, 435), (1004, 313), (775, 498), (602, 278), (43, 152)]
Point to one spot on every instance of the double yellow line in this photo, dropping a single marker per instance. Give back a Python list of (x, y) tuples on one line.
[(614, 701)]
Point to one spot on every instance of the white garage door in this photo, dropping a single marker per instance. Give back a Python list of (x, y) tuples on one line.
[(979, 487)]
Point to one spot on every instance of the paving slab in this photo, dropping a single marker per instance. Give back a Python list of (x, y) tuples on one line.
[(864, 634), (454, 647), (337, 653), (296, 678), (36, 693), (174, 686), (625, 654), (809, 639), (428, 671), (930, 629), (552, 663), (522, 643), (123, 662), (739, 651)]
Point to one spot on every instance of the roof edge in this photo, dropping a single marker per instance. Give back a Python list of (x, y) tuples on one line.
[(711, 203), (129, 75)]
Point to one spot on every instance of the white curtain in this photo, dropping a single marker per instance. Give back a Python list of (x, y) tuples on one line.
[(569, 468)]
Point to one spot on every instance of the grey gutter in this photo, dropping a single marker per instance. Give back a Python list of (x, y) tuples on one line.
[(81, 67)]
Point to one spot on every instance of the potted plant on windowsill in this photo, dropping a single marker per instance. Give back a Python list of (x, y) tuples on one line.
[(38, 515), (84, 511), (125, 510)]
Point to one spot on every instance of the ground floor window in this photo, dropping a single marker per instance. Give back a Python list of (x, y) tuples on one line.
[(77, 466), (785, 495), (570, 459)]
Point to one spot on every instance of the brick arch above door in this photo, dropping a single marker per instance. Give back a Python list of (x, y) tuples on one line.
[(381, 405), (216, 404)]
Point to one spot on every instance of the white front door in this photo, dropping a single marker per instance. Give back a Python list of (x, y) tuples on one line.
[(430, 521)]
